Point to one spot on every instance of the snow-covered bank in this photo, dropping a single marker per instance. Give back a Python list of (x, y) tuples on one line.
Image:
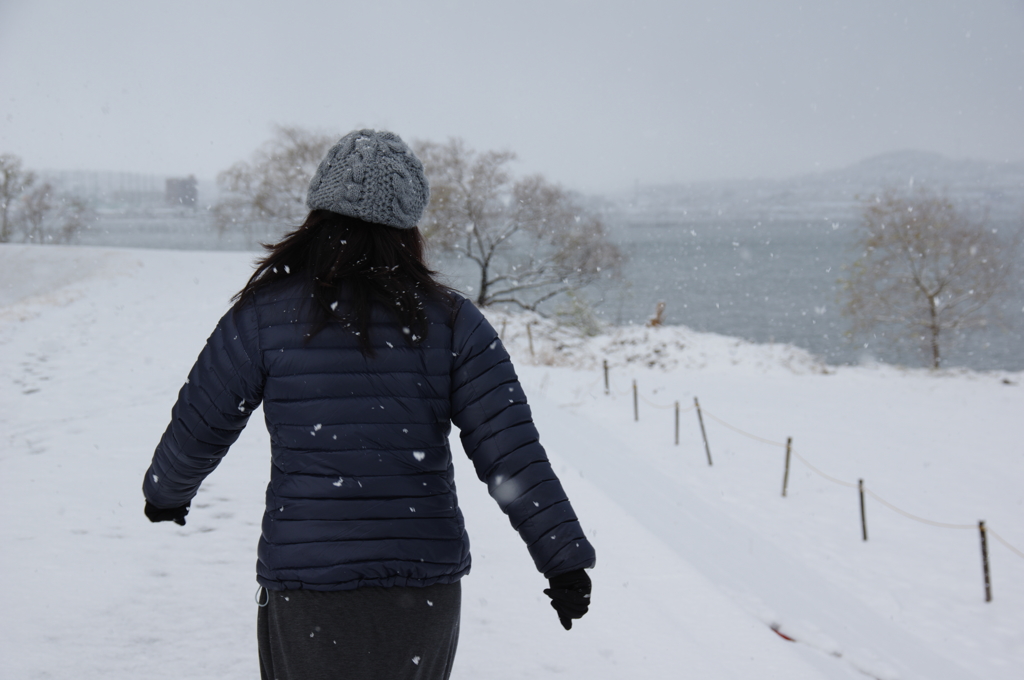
[(665, 347), (941, 445), (694, 562)]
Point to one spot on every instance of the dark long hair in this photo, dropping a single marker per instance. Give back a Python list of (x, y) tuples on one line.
[(375, 264)]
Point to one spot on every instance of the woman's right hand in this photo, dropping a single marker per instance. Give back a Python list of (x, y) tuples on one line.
[(570, 595)]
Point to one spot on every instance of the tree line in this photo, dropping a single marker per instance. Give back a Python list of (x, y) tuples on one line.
[(924, 269)]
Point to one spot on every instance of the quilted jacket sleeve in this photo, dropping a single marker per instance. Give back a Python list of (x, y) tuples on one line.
[(498, 434), (213, 406)]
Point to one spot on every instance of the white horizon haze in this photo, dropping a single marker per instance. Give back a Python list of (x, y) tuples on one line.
[(598, 96)]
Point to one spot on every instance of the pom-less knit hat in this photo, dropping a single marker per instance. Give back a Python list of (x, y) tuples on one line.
[(373, 176)]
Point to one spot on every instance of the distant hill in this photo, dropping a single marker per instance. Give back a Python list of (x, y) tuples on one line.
[(830, 195)]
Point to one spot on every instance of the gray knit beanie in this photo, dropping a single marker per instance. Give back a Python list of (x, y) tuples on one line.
[(373, 176)]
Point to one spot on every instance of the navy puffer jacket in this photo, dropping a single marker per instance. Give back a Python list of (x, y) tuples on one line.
[(362, 489)]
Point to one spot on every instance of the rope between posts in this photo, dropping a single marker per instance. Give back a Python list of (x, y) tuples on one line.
[(915, 517), (653, 405), (613, 390), (736, 429), (1003, 541), (826, 476), (849, 485), (854, 486), (661, 406)]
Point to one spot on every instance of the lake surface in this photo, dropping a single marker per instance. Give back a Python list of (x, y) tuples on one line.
[(775, 282), (765, 281)]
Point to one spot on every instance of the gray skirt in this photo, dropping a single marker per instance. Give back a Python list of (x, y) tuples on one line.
[(397, 633)]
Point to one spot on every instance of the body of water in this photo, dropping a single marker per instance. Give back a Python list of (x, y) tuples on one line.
[(765, 281), (776, 282)]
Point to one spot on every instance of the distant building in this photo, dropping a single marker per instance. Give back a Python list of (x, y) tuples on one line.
[(110, 190), (182, 191)]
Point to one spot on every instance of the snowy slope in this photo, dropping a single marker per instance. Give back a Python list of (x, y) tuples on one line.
[(694, 562)]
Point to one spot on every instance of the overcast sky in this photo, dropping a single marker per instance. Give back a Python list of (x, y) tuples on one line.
[(596, 95)]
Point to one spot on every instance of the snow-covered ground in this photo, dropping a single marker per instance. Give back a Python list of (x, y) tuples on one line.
[(696, 564)]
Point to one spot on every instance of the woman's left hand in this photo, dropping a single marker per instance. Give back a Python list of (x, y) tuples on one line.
[(176, 515)]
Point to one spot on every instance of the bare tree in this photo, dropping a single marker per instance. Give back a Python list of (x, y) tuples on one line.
[(75, 213), (926, 270), (13, 182), (37, 213), (36, 206), (47, 216), (530, 239), (270, 188)]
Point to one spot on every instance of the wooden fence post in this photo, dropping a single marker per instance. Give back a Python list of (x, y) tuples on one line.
[(703, 432), (636, 404), (785, 477), (984, 560), (606, 389), (677, 423), (863, 518), (529, 336)]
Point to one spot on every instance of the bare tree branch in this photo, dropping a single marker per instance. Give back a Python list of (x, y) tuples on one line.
[(14, 181), (530, 239), (270, 189)]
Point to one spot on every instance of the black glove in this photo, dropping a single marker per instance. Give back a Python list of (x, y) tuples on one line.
[(570, 595), (176, 515)]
